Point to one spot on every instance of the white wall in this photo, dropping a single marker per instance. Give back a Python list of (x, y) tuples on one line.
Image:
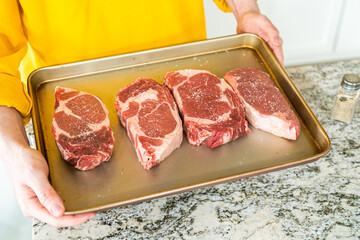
[(13, 224), (349, 29), (218, 23), (312, 31)]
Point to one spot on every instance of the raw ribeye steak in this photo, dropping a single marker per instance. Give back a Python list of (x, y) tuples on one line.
[(265, 106), (213, 114), (148, 112), (81, 128)]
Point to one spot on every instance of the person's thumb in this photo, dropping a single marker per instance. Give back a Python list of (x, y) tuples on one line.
[(48, 197)]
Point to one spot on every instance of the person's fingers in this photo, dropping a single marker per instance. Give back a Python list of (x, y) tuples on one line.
[(275, 45), (32, 208), (35, 195), (275, 42), (254, 22), (38, 211), (278, 51), (270, 34), (47, 195)]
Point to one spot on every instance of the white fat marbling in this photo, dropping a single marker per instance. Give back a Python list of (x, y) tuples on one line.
[(320, 200)]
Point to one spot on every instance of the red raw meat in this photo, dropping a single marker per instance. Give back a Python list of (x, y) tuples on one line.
[(81, 128), (265, 106), (148, 112), (212, 112)]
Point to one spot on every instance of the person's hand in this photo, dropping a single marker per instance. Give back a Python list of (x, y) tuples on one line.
[(28, 173), (250, 20), (34, 193), (255, 22)]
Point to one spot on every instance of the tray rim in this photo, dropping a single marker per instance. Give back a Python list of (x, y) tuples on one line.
[(39, 135), (203, 184)]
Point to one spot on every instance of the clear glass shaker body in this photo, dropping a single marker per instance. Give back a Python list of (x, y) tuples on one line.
[(346, 98)]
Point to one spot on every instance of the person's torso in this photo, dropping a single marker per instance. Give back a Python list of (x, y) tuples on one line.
[(67, 30)]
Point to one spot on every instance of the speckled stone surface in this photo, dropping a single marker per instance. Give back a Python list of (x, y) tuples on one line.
[(320, 200)]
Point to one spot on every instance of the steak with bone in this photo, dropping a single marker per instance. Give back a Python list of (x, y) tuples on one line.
[(265, 106), (213, 114), (81, 128), (148, 112)]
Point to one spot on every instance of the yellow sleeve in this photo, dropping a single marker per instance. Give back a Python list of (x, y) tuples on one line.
[(222, 5), (13, 47)]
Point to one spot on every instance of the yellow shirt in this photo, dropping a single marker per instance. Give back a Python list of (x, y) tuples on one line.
[(43, 32)]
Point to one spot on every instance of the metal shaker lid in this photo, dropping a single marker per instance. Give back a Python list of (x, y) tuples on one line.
[(351, 82)]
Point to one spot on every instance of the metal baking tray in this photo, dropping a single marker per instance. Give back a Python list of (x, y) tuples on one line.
[(122, 180)]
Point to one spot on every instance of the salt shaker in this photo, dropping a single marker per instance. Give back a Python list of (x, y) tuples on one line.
[(345, 101)]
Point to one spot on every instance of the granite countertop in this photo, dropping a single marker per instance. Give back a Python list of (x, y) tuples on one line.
[(320, 200)]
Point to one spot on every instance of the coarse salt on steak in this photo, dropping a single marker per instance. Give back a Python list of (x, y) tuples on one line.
[(265, 106), (148, 112), (81, 128), (212, 112)]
